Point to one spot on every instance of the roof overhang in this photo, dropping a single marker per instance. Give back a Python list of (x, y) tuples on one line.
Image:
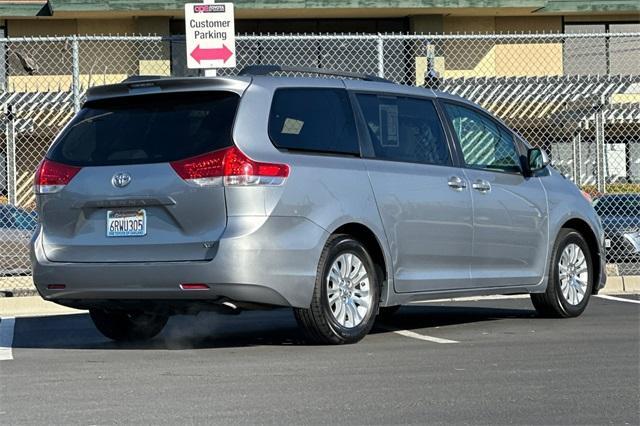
[(584, 6), (24, 8), (252, 9)]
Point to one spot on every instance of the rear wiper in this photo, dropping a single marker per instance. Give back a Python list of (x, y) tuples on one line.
[(92, 118)]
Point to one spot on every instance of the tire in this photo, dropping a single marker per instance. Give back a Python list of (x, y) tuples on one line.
[(324, 322), (387, 312), (555, 302), (124, 326)]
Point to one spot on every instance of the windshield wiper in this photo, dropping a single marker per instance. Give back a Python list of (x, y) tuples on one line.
[(92, 118)]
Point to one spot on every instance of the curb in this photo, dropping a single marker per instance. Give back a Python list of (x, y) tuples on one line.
[(622, 284), (32, 306)]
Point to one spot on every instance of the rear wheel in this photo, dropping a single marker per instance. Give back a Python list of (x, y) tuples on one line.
[(346, 294), (126, 326), (570, 278)]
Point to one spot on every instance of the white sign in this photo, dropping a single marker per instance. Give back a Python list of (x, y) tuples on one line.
[(211, 36)]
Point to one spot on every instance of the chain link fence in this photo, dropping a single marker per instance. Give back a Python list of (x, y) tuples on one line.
[(576, 95)]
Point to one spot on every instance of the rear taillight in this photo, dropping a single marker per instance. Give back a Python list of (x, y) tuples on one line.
[(51, 177), (230, 167), (56, 286), (194, 286)]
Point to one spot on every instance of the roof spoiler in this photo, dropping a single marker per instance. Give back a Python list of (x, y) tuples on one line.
[(134, 78), (146, 84)]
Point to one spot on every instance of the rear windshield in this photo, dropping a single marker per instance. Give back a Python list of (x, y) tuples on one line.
[(147, 129)]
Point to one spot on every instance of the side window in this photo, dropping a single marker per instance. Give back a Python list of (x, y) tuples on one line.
[(404, 129), (484, 144), (319, 120)]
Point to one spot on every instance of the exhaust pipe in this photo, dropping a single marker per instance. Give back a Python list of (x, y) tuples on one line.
[(228, 308)]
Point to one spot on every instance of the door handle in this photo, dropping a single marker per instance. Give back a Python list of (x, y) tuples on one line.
[(456, 183), (481, 185)]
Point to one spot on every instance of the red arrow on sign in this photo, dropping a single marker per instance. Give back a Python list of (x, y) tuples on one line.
[(200, 54)]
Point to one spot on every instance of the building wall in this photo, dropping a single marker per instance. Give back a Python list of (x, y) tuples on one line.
[(629, 17), (41, 27), (51, 27), (546, 58), (108, 62), (100, 62), (485, 58)]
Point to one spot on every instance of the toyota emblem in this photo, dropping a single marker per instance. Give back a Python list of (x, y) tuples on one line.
[(120, 180)]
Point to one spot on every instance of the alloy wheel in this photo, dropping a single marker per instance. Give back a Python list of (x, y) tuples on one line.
[(348, 290), (573, 274)]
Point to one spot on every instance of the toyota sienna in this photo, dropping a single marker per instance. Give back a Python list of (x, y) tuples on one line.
[(340, 197)]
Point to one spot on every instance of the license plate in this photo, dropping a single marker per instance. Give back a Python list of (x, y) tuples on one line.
[(126, 223), (607, 243)]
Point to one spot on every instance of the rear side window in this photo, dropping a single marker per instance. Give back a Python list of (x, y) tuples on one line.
[(316, 120), (147, 129), (404, 129)]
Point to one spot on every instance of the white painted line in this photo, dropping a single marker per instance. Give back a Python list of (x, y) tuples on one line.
[(47, 314), (413, 335), (6, 338), (617, 299), (474, 298)]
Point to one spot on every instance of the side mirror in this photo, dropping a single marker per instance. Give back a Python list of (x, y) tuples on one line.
[(537, 159)]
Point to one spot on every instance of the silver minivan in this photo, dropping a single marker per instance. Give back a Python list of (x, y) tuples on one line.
[(340, 197)]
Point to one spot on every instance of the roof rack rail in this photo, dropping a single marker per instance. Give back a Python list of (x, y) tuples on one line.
[(268, 69)]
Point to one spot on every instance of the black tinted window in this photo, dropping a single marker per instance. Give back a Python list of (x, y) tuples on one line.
[(404, 129), (147, 129), (318, 120)]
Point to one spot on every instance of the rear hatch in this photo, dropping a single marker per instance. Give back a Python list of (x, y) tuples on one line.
[(108, 188)]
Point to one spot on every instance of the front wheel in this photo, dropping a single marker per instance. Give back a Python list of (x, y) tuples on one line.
[(346, 294), (570, 278), (127, 326)]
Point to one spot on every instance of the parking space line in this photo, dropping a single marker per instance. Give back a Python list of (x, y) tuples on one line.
[(6, 338), (617, 299), (414, 335)]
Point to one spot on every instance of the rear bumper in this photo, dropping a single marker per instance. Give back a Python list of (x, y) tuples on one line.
[(265, 260)]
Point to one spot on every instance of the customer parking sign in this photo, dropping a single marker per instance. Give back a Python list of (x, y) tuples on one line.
[(210, 34)]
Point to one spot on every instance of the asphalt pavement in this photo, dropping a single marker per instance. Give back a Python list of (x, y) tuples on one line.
[(491, 361)]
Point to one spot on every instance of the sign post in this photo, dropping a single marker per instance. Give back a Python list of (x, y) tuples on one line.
[(211, 37)]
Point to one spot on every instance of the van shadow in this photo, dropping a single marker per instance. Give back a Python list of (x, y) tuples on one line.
[(208, 330), (425, 317)]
